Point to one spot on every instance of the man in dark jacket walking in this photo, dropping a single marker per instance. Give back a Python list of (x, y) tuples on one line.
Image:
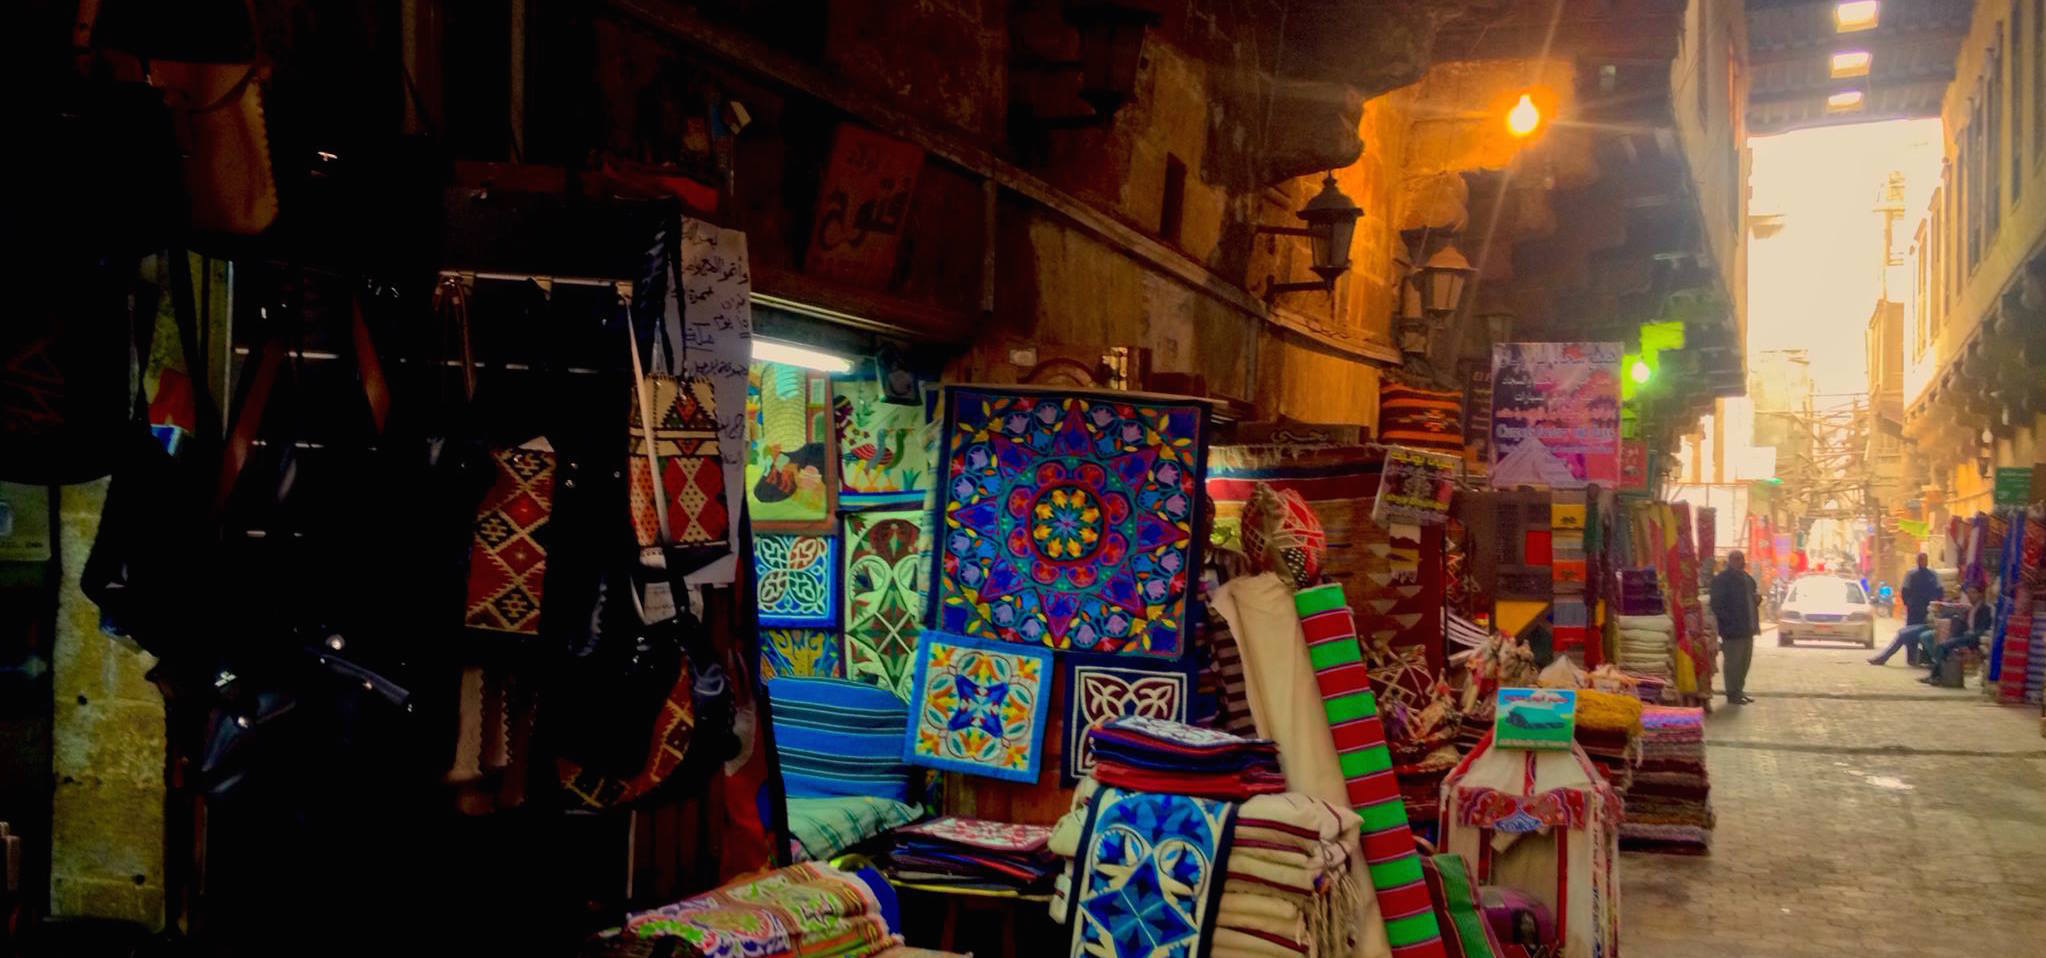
[(1736, 606)]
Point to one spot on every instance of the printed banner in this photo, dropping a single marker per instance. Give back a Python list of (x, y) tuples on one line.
[(1415, 487), (1633, 466), (1555, 415)]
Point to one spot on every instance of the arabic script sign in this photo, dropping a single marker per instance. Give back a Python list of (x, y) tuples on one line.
[(1555, 415), (862, 206)]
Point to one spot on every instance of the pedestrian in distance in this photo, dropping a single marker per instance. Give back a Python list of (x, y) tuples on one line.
[(1737, 607), (1921, 586)]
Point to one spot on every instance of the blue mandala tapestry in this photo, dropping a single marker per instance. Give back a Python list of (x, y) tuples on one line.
[(1149, 874), (1069, 520)]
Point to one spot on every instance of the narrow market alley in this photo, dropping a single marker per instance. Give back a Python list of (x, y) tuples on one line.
[(1859, 813)]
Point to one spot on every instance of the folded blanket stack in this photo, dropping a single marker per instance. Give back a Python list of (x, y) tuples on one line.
[(1647, 644), (1145, 754), (806, 909), (1609, 729), (973, 853), (1286, 890), (1669, 800)]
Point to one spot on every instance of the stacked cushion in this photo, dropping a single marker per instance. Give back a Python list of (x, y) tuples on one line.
[(839, 737)]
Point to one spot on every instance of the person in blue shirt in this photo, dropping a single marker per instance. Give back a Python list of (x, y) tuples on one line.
[(1968, 632), (1921, 586)]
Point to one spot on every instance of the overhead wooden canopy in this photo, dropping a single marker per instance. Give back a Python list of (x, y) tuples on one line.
[(1791, 44)]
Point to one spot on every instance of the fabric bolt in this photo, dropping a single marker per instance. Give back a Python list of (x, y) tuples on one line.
[(824, 827), (1104, 687), (801, 654), (1148, 874), (507, 558), (685, 442), (796, 579), (803, 910), (887, 568), (1069, 520), (839, 737), (1227, 665), (978, 707), (1371, 785), (882, 457), (791, 471)]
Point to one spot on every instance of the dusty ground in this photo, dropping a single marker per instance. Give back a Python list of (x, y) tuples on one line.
[(1860, 813)]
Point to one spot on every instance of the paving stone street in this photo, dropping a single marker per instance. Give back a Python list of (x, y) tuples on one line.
[(1859, 813)]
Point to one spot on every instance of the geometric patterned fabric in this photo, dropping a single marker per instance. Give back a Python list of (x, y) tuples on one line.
[(692, 475), (1149, 874), (796, 579), (978, 707), (506, 562), (887, 563), (1104, 687)]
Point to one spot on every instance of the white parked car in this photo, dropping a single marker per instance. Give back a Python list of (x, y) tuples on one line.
[(1826, 608)]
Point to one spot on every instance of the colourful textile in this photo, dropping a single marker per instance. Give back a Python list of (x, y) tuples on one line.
[(1352, 710), (839, 737), (1465, 932), (823, 827), (1339, 483), (982, 833), (796, 579), (1422, 418), (803, 910), (800, 654), (887, 566), (882, 457), (685, 438), (978, 707), (791, 472), (507, 564), (1104, 687), (1148, 874), (1069, 520), (1281, 534)]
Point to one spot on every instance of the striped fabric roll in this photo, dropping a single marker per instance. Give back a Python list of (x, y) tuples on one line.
[(1352, 710)]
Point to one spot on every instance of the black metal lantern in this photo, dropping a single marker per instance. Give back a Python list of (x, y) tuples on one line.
[(1443, 278), (1331, 221)]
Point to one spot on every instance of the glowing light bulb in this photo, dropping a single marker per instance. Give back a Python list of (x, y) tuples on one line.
[(1524, 117), (1640, 372)]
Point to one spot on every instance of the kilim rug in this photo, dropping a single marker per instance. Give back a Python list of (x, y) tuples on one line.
[(1069, 520), (1389, 849), (685, 440), (1421, 418), (1104, 687), (882, 458), (887, 563), (1338, 482), (507, 563), (796, 579), (1149, 873), (791, 471), (978, 706)]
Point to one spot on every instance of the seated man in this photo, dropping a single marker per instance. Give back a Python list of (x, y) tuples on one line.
[(1921, 587), (1968, 633)]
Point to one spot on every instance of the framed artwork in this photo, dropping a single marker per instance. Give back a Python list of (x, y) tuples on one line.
[(791, 470)]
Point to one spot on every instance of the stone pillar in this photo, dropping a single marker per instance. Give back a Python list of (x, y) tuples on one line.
[(108, 750)]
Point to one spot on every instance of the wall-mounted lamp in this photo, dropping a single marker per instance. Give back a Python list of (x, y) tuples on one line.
[(1524, 118), (1442, 280), (1331, 223)]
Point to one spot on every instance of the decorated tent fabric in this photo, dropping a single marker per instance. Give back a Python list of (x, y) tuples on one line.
[(1337, 482), (791, 471), (806, 909), (800, 654), (887, 562), (978, 707), (685, 437), (1069, 519), (1148, 874), (1104, 687), (883, 459), (507, 562), (1422, 418), (796, 579), (1389, 849)]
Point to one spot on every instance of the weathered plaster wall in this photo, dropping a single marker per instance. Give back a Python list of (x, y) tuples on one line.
[(107, 828)]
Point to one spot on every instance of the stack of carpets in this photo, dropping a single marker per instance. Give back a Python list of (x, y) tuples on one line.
[(1144, 754), (1285, 888), (1669, 802), (972, 853), (1648, 645), (806, 909), (1609, 730), (2035, 666)]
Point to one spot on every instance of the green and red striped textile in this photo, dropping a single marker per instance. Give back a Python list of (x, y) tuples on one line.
[(1389, 852)]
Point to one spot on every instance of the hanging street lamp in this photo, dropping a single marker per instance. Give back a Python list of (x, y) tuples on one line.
[(1331, 221)]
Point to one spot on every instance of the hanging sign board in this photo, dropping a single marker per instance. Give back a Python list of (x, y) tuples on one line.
[(2013, 485), (1544, 719), (862, 207), (1555, 415), (1416, 487)]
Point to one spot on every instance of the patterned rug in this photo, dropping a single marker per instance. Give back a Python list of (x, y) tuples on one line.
[(1148, 874), (979, 707), (791, 471), (887, 566), (507, 564), (1421, 418), (883, 459), (685, 437), (795, 579), (1069, 520), (1104, 687)]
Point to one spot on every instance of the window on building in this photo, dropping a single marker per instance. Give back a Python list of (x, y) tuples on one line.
[(1992, 146), (1921, 307), (1971, 174), (2016, 94), (1950, 251)]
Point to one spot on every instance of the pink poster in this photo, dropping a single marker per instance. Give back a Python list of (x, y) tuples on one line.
[(1555, 415)]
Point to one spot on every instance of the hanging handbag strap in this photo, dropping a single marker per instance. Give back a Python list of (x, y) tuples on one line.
[(643, 395), (368, 366)]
